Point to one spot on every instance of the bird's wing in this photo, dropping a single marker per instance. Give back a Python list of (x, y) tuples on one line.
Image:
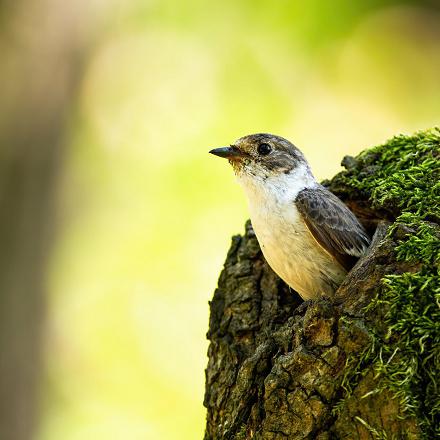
[(332, 225)]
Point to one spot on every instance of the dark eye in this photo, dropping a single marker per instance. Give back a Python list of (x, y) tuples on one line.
[(264, 149)]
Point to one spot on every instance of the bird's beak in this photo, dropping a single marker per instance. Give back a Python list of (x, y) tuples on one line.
[(227, 152)]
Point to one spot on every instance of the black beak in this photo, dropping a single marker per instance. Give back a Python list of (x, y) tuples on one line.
[(227, 152)]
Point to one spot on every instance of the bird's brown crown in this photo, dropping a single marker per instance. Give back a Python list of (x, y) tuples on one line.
[(266, 153)]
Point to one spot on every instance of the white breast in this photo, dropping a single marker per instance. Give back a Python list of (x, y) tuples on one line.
[(284, 238)]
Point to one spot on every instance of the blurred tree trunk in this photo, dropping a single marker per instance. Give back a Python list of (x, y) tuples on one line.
[(39, 46), (281, 370)]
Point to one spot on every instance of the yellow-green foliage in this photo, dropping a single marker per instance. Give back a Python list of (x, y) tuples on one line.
[(401, 178)]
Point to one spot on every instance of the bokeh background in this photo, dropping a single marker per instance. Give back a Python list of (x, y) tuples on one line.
[(116, 221)]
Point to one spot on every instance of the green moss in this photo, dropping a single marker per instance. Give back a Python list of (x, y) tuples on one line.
[(401, 175), (421, 244), (412, 303), (401, 178), (377, 434), (241, 434)]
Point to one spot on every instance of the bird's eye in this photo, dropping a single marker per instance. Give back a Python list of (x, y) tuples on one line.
[(264, 149)]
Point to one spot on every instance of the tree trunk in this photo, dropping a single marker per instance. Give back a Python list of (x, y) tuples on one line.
[(349, 367)]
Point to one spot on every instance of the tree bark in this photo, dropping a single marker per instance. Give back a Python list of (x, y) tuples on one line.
[(279, 368)]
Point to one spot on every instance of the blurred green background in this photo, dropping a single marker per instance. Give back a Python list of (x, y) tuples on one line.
[(143, 214)]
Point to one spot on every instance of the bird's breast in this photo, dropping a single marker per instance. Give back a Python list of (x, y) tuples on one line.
[(279, 229), (292, 252)]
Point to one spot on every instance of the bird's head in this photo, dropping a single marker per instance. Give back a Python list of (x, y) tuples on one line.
[(262, 156)]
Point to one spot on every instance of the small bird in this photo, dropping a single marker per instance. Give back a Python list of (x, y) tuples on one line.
[(307, 235)]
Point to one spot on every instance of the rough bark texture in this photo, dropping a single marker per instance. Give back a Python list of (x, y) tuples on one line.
[(282, 369)]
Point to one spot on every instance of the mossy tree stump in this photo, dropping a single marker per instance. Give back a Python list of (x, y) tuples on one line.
[(362, 365)]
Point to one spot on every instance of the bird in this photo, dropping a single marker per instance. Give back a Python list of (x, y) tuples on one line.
[(308, 236)]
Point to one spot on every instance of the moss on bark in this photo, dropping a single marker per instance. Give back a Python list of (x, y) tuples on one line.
[(363, 365), (403, 180)]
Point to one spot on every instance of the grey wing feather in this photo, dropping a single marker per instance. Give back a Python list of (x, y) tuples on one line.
[(332, 224)]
